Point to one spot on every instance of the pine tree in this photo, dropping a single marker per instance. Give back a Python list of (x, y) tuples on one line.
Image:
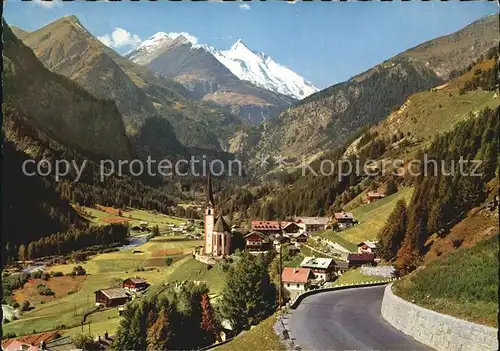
[(22, 253), (392, 234), (392, 188), (249, 296)]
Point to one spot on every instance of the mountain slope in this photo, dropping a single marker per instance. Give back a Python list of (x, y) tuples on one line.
[(151, 106), (207, 79), (262, 70), (59, 107), (330, 116)]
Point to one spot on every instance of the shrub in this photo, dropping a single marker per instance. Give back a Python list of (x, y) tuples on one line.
[(78, 270), (85, 342), (45, 276), (44, 290), (15, 305), (57, 274), (168, 260), (5, 321)]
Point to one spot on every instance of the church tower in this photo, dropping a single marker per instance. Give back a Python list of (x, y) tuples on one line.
[(209, 217)]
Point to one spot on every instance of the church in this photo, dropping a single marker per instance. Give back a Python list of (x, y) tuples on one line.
[(217, 231)]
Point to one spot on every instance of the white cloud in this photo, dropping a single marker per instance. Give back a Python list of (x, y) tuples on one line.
[(245, 7), (120, 38), (192, 39), (48, 4)]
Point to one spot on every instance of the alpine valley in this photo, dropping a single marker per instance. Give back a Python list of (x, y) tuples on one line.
[(213, 251)]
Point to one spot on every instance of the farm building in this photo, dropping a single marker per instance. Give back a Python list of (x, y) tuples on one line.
[(322, 268), (344, 219), (312, 224), (367, 247), (112, 297), (255, 241), (135, 284), (358, 260), (296, 280)]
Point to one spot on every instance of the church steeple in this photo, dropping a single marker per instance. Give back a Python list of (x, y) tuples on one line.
[(210, 195)]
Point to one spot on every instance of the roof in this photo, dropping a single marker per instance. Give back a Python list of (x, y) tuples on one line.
[(114, 293), (344, 215), (366, 257), (316, 262), (374, 194), (370, 244), (295, 275), (296, 235), (30, 339), (18, 345), (341, 264), (137, 280), (312, 220), (268, 225), (255, 233), (281, 239), (221, 225)]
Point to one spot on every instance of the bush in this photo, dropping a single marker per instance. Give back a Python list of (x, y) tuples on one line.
[(45, 276), (9, 336), (25, 306), (5, 321), (78, 270), (57, 274), (85, 342), (168, 260), (44, 290), (15, 305)]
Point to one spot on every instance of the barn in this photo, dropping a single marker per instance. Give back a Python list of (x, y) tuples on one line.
[(112, 297)]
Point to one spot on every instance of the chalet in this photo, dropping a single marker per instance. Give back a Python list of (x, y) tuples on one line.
[(367, 247), (344, 219), (292, 228), (312, 224), (372, 196), (135, 284), (322, 268), (340, 267), (358, 260), (272, 228), (281, 240), (298, 237), (255, 241), (112, 297), (296, 280)]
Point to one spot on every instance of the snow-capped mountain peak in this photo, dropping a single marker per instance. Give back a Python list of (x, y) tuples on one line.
[(244, 63), (263, 71)]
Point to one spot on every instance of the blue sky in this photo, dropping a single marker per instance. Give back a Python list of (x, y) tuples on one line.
[(326, 43)]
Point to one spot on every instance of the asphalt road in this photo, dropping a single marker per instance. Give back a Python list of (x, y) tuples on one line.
[(346, 320)]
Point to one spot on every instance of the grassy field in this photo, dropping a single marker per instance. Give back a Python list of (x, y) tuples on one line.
[(354, 276), (66, 311), (371, 219), (463, 284), (103, 215), (191, 269), (260, 337)]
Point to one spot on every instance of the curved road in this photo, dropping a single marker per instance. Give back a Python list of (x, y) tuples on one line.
[(346, 320)]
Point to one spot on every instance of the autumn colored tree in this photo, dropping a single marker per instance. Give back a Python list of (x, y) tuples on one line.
[(209, 324), (159, 333)]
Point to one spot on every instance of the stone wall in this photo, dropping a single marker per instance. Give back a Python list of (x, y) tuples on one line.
[(434, 329)]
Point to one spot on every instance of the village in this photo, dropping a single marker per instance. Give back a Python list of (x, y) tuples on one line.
[(322, 261)]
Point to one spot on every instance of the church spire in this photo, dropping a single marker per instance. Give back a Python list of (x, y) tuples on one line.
[(210, 195)]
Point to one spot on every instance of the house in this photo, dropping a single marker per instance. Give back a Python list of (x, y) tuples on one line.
[(279, 240), (17, 345), (322, 268), (312, 224), (30, 342), (112, 297), (367, 247), (272, 228), (340, 267), (296, 280), (298, 237), (344, 219), (358, 260), (372, 196), (293, 228), (255, 241), (135, 284)]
